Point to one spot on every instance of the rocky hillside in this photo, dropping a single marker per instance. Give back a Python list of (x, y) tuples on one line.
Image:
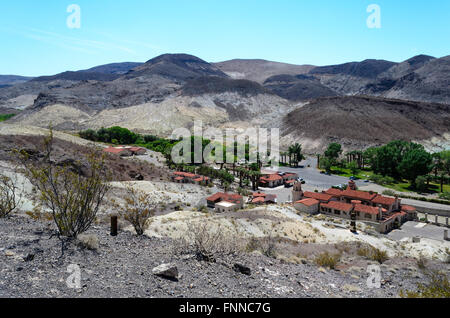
[(6, 80), (298, 87), (259, 70), (360, 121), (173, 90)]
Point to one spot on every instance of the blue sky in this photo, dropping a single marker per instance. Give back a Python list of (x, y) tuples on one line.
[(36, 40)]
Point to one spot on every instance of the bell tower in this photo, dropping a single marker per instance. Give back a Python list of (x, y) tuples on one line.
[(297, 192)]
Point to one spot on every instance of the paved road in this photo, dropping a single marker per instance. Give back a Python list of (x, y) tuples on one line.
[(314, 178), (415, 229)]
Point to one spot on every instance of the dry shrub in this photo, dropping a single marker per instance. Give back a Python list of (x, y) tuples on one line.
[(72, 198), (327, 260), (207, 241), (266, 245), (373, 254), (10, 195), (138, 208), (422, 262)]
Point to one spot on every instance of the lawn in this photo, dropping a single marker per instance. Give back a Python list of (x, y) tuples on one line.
[(406, 187), (4, 117), (344, 172), (400, 186)]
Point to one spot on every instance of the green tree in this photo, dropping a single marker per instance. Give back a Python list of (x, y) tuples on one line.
[(416, 162), (421, 183), (333, 151), (325, 163), (369, 156), (353, 167)]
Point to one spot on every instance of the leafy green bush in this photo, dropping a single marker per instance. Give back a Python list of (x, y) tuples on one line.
[(6, 117), (421, 183)]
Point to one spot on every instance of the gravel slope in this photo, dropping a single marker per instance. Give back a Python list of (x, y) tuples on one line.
[(122, 267)]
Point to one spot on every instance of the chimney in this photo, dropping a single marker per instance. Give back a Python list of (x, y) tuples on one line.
[(380, 212)]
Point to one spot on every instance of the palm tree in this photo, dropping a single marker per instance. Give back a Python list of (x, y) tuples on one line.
[(295, 151)]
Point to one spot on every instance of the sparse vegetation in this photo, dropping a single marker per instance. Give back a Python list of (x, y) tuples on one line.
[(373, 254), (10, 195), (327, 260), (207, 242), (73, 199), (438, 287), (138, 207)]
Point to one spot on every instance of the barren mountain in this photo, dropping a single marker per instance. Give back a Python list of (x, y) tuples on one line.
[(6, 80), (297, 88), (350, 78), (361, 121), (114, 68), (176, 67), (259, 70), (430, 82)]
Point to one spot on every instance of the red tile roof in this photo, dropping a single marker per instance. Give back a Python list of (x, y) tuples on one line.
[(379, 199), (271, 177), (334, 192), (115, 150), (358, 194), (230, 197), (258, 194), (308, 202), (317, 196), (179, 178), (258, 200), (408, 208), (184, 174), (341, 206), (366, 209)]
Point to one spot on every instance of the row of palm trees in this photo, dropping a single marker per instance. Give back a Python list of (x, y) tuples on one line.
[(294, 154)]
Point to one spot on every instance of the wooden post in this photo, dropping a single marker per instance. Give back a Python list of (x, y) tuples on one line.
[(113, 225)]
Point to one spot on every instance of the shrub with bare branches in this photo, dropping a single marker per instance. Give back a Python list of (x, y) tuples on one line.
[(138, 208), (73, 198), (208, 242), (10, 195)]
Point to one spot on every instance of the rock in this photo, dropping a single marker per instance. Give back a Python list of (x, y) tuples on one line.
[(29, 258), (89, 241), (351, 288), (323, 270), (169, 271), (242, 269)]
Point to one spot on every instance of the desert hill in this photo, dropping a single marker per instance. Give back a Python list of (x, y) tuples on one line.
[(259, 70), (361, 121)]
